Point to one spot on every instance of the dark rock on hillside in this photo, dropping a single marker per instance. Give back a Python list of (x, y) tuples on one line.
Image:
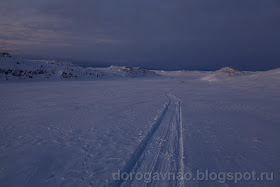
[(5, 55)]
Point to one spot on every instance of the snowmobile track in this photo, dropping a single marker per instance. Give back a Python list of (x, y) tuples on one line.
[(161, 151)]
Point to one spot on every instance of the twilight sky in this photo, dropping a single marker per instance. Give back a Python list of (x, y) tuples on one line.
[(162, 34)]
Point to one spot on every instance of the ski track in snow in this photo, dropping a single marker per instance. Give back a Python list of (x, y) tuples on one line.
[(161, 151)]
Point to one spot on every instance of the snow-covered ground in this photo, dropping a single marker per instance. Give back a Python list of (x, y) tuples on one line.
[(80, 133)]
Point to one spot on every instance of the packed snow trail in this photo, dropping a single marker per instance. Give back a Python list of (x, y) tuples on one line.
[(161, 151)]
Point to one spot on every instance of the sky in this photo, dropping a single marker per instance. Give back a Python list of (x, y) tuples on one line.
[(158, 34)]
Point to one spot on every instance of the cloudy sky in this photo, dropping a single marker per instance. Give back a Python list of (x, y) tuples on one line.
[(155, 33)]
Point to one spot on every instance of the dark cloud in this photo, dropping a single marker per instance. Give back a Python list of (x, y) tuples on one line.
[(155, 33)]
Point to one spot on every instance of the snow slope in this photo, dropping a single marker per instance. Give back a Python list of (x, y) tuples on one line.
[(13, 68), (79, 133), (224, 73)]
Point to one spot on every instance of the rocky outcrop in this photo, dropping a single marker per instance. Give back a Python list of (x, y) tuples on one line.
[(7, 55)]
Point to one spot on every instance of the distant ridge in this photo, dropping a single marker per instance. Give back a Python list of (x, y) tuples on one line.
[(14, 68)]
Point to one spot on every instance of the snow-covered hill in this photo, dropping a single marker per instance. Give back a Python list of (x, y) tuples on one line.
[(14, 68), (126, 71), (223, 73)]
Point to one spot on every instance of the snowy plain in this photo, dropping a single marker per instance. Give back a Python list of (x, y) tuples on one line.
[(79, 132)]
